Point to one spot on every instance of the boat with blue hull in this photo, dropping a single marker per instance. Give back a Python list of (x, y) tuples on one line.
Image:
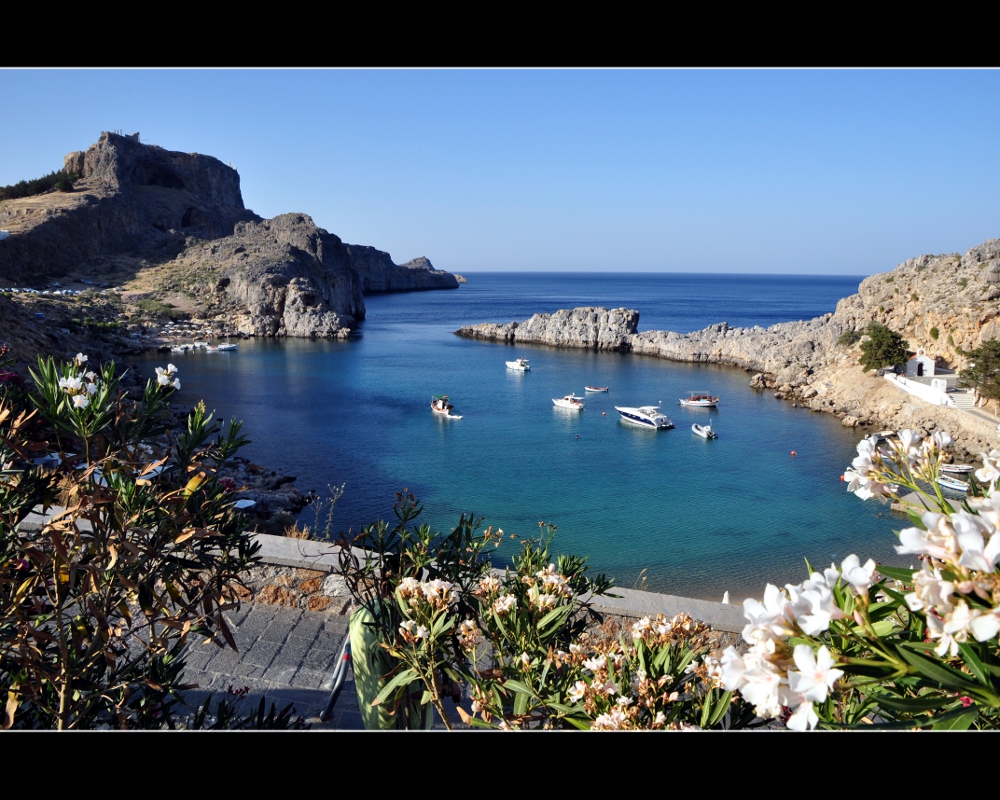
[(645, 416)]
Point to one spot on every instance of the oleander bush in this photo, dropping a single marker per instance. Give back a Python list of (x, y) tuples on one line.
[(141, 551)]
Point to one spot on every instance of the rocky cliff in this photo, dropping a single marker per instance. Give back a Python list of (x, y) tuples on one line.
[(942, 303), (168, 223)]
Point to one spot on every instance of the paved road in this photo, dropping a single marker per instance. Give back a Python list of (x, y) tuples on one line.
[(285, 654)]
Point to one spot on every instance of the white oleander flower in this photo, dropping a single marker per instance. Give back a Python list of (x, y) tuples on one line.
[(952, 629), (504, 603), (816, 675), (81, 400), (990, 470), (422, 632), (971, 532), (860, 577), (595, 664), (930, 590), (938, 541), (81, 358), (804, 718), (986, 625), (578, 691), (612, 721)]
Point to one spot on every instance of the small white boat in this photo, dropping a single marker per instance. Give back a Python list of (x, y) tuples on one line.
[(596, 388), (441, 407), (569, 401), (220, 348), (953, 484), (699, 400), (181, 348), (519, 365), (705, 431), (645, 416), (957, 469)]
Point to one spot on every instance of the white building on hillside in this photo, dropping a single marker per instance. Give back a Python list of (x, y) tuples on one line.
[(920, 365)]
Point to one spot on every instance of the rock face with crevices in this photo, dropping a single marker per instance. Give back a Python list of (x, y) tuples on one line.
[(590, 328)]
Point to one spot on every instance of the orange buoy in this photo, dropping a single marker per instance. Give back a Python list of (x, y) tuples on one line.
[(604, 413), (841, 477), (793, 452)]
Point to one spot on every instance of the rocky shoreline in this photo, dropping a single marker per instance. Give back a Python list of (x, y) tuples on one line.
[(805, 362)]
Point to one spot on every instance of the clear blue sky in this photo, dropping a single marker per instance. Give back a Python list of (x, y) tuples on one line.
[(845, 171)]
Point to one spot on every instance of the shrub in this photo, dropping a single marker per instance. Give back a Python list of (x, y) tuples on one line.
[(963, 282), (914, 297), (983, 371), (883, 348), (435, 617), (935, 333), (160, 309), (849, 337), (98, 602)]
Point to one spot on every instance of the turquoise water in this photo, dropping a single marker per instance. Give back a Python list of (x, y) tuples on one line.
[(685, 515)]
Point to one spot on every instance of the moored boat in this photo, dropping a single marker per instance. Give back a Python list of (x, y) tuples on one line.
[(519, 365), (596, 388), (645, 416), (704, 431), (957, 469), (220, 348), (700, 400), (569, 401), (953, 484), (441, 406)]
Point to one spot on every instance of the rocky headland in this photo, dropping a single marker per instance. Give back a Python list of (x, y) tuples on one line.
[(941, 303), (169, 231)]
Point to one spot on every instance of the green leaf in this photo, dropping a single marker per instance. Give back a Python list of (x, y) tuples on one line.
[(897, 573), (913, 705), (974, 664), (721, 707), (553, 615), (956, 721), (935, 671), (517, 686), (402, 679)]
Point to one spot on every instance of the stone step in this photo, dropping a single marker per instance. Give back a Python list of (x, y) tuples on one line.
[(963, 399)]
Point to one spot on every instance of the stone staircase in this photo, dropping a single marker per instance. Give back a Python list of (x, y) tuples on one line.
[(964, 400)]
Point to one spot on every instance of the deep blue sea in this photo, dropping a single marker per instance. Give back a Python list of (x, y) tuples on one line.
[(665, 509)]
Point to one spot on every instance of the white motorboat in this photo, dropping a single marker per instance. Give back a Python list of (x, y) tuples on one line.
[(705, 431), (596, 388), (221, 348), (519, 364), (569, 401), (645, 416), (953, 484), (441, 407), (957, 469), (700, 400)]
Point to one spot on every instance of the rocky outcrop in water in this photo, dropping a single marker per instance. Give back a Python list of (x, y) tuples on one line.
[(591, 328)]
